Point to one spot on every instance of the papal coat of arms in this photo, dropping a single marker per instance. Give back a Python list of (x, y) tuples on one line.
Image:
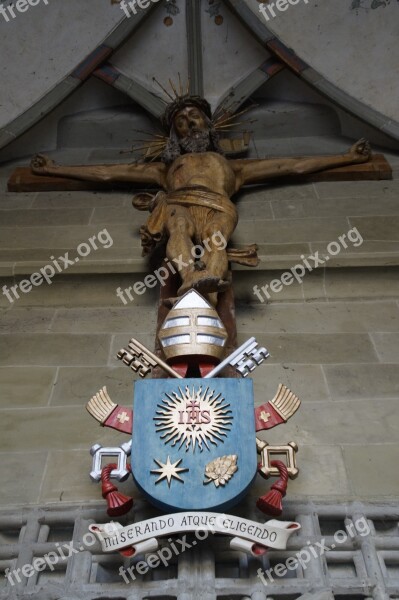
[(194, 449)]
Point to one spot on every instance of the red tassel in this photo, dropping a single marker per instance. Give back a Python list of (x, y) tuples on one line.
[(118, 504), (272, 503)]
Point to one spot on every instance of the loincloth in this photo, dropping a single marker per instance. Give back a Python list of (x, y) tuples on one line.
[(200, 197), (203, 205)]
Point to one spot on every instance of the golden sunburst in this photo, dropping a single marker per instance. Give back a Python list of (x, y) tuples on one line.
[(193, 417)]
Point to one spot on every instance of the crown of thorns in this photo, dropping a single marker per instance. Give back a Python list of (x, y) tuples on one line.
[(182, 102)]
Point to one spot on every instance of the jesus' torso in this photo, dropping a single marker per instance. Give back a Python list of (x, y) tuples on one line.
[(207, 169)]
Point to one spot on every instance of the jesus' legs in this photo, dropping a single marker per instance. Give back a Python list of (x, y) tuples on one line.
[(208, 274), (180, 228), (216, 235)]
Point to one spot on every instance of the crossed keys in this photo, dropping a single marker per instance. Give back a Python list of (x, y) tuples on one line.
[(245, 359), (141, 360)]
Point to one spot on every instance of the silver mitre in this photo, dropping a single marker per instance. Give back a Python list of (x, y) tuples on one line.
[(193, 328)]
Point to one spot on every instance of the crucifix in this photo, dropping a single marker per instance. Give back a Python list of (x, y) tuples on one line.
[(196, 183)]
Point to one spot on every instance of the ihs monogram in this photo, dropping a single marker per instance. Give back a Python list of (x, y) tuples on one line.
[(193, 417)]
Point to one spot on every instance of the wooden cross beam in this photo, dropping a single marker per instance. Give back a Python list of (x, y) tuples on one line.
[(23, 180)]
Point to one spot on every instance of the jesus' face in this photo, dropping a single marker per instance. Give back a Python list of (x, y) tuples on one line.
[(189, 121), (192, 129)]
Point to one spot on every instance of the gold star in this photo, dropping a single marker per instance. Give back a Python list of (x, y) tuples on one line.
[(168, 470)]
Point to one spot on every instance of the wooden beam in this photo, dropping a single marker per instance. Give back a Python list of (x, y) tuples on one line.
[(169, 290), (23, 180), (376, 169), (227, 312)]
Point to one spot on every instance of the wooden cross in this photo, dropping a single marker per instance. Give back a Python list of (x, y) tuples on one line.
[(23, 180)]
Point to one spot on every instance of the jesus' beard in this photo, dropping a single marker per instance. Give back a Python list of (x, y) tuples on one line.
[(209, 142), (196, 142)]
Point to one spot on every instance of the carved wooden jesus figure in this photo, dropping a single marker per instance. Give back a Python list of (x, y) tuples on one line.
[(198, 183)]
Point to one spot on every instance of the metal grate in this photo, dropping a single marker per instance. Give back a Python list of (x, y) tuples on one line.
[(360, 567)]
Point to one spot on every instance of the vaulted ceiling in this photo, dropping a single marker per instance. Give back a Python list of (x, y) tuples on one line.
[(227, 49)]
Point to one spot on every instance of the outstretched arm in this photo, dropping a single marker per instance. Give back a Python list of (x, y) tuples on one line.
[(256, 171), (135, 173)]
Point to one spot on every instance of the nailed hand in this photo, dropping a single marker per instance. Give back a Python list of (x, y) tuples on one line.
[(40, 164), (361, 151)]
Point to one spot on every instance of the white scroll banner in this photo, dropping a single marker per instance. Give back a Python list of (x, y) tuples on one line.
[(273, 534), (248, 547)]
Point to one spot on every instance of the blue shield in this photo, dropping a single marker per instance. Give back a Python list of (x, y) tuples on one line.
[(194, 445)]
